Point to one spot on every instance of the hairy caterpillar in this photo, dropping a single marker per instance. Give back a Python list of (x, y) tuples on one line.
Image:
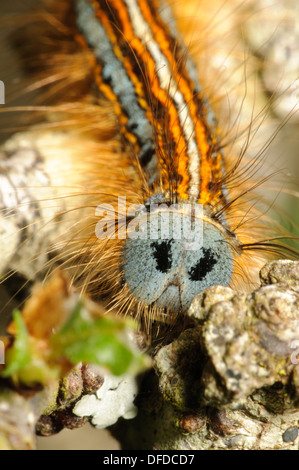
[(140, 126)]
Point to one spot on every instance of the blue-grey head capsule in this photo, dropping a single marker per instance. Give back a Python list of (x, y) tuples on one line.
[(170, 256)]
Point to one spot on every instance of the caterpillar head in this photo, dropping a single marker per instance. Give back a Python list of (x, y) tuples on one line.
[(172, 255)]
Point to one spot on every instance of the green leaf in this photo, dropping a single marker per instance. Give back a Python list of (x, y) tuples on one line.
[(102, 349), (102, 341), (18, 356)]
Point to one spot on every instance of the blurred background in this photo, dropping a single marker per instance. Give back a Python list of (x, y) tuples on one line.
[(270, 37)]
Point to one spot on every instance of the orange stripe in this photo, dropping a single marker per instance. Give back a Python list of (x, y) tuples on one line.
[(161, 95), (168, 131), (207, 165)]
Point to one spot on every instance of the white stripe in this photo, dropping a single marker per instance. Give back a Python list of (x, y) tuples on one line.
[(142, 30)]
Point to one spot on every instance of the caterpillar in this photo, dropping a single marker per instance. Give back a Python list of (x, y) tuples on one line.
[(161, 210)]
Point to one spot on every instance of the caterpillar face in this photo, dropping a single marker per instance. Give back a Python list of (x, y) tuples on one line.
[(168, 270), (171, 134)]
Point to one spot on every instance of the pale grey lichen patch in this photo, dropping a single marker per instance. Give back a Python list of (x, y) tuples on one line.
[(113, 400), (84, 395)]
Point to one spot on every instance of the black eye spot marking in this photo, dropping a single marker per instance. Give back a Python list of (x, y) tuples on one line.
[(204, 265), (162, 255)]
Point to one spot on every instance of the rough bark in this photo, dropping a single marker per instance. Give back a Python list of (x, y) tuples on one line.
[(230, 381)]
